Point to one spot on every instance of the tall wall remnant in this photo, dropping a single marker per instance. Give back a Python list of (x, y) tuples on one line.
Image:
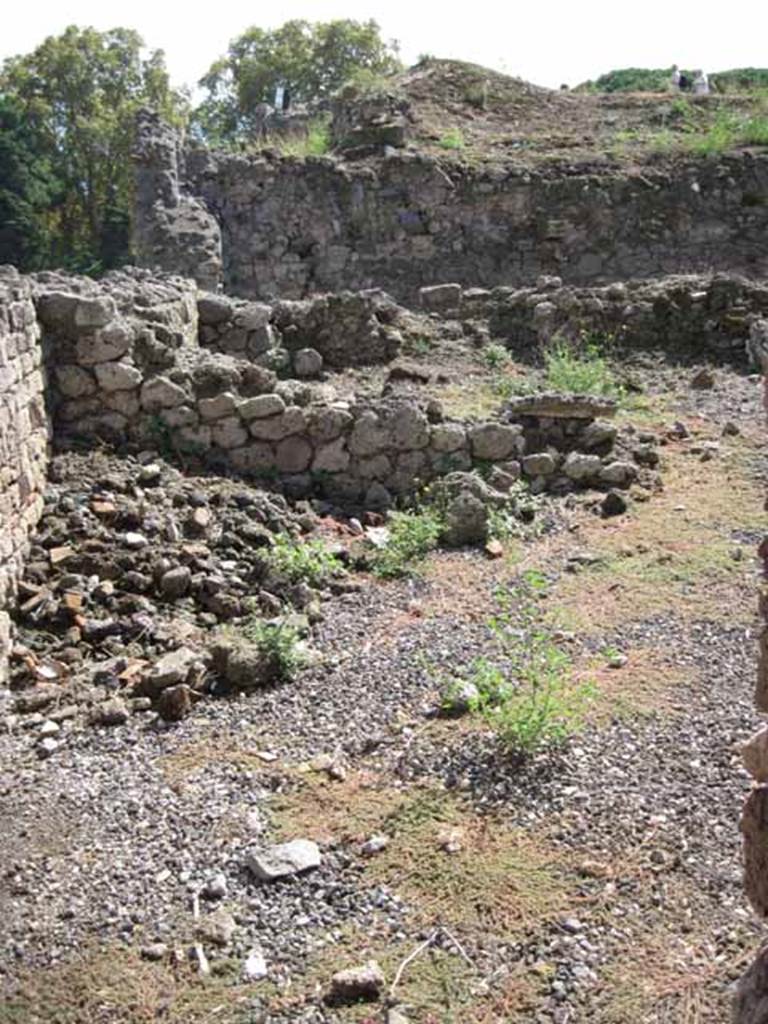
[(294, 227), (751, 1000), (172, 230), (23, 436)]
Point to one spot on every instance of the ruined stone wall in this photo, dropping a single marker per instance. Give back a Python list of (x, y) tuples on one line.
[(693, 314), (291, 228), (126, 364), (171, 229), (23, 436)]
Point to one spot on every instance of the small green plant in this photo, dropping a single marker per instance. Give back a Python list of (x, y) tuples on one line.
[(420, 346), (579, 367), (507, 386), (412, 535), (162, 436), (527, 695), (453, 139), (316, 142), (280, 647), (302, 561), (519, 517), (495, 356)]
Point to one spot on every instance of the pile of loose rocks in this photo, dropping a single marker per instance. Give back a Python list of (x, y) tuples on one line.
[(133, 572)]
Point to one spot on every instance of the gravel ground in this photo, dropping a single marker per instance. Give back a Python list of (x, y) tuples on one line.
[(110, 838)]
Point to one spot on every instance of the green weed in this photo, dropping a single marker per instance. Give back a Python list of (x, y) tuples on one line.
[(453, 139), (495, 356), (316, 142), (280, 646), (412, 535), (579, 367), (302, 561), (527, 695)]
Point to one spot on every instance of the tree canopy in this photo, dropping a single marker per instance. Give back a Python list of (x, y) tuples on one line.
[(310, 60), (77, 95), (657, 80)]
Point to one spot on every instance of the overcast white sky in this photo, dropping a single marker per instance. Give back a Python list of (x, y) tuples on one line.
[(547, 42)]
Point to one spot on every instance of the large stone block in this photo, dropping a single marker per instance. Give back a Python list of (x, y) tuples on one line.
[(275, 428), (496, 441), (117, 376)]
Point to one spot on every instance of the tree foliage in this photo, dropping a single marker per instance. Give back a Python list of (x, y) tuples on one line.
[(657, 80), (78, 93), (29, 188), (310, 60)]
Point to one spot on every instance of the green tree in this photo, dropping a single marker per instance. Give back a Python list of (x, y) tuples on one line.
[(81, 91), (29, 189), (310, 60)]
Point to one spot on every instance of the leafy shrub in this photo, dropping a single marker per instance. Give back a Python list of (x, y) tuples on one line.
[(453, 139), (495, 356), (579, 367), (412, 535), (528, 695), (302, 561), (280, 647)]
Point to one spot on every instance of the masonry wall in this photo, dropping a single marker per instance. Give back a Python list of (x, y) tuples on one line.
[(291, 228), (23, 436)]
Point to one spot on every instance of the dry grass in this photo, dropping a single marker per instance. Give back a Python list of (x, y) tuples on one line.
[(675, 552), (647, 684), (112, 985), (191, 758), (500, 880)]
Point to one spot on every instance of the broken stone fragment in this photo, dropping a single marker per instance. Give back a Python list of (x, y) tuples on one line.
[(173, 668), (284, 860), (613, 504), (255, 966), (754, 754), (307, 362), (218, 928), (703, 379), (750, 1003), (356, 983), (619, 474), (111, 712), (175, 703), (176, 582), (754, 827)]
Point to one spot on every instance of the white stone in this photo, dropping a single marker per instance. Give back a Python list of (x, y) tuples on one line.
[(284, 859), (161, 393), (261, 406), (255, 966), (117, 376)]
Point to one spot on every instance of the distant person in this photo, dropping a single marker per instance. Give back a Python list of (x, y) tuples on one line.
[(685, 83), (700, 83), (674, 80)]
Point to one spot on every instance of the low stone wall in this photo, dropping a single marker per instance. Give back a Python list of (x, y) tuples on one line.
[(125, 363), (23, 436), (348, 329), (686, 313)]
